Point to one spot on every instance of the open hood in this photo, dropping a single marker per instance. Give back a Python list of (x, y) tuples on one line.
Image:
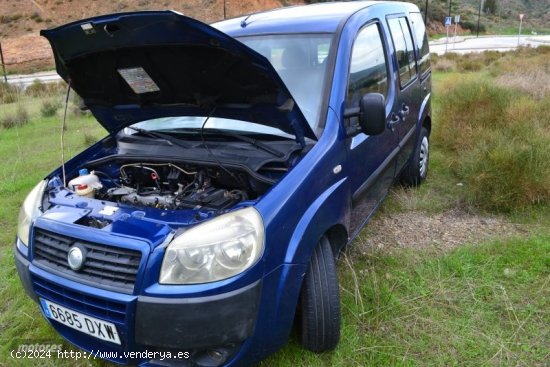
[(131, 67)]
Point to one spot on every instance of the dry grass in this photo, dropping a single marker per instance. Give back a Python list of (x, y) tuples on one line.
[(444, 64), (19, 118), (529, 74), (496, 135)]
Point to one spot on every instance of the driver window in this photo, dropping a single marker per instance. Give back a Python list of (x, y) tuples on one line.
[(368, 71)]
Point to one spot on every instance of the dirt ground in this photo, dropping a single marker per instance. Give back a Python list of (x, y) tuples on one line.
[(443, 231)]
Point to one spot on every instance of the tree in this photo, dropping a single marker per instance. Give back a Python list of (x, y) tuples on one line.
[(490, 7)]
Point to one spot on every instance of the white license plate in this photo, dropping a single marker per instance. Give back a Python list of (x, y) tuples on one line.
[(87, 324)]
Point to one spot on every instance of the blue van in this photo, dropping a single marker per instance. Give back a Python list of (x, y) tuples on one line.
[(241, 159)]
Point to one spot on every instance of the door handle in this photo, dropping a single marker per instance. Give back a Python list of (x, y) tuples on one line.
[(405, 110), (394, 119)]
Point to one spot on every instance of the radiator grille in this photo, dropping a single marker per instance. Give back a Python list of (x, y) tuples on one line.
[(104, 266)]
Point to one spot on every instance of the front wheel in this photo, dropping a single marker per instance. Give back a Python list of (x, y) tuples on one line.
[(319, 311), (417, 170)]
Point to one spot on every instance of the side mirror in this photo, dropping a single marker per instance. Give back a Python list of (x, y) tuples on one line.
[(372, 113)]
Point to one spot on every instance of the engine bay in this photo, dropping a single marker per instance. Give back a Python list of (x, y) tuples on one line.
[(170, 185)]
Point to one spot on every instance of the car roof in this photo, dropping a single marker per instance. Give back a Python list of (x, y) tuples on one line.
[(319, 17)]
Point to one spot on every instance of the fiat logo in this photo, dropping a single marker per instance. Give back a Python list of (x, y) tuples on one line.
[(76, 257)]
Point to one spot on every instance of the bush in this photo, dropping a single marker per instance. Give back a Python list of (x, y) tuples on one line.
[(40, 89), (19, 118), (497, 143), (49, 108), (8, 93), (37, 89), (467, 62), (472, 26)]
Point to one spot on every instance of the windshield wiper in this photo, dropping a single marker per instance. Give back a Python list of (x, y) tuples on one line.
[(155, 134), (249, 140)]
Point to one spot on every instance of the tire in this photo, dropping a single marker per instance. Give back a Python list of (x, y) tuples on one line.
[(319, 309), (417, 170)]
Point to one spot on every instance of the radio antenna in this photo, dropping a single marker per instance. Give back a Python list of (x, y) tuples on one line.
[(63, 126)]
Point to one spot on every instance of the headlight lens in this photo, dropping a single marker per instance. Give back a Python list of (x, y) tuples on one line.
[(218, 249), (29, 211)]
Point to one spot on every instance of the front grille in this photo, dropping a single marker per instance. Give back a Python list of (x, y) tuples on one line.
[(105, 266), (90, 305)]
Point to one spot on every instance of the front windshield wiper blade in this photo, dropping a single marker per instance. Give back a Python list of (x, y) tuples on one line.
[(159, 135), (252, 141)]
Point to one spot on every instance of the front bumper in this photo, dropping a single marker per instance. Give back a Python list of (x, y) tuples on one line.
[(202, 322), (210, 329)]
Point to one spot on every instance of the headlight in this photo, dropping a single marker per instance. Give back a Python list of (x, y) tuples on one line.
[(29, 211), (214, 250)]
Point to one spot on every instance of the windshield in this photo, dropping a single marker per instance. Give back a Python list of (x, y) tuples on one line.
[(196, 122), (301, 62)]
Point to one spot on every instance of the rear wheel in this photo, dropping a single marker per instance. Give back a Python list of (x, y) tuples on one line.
[(319, 311), (417, 170)]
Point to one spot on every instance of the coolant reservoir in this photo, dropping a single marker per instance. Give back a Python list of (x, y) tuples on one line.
[(85, 190), (85, 184)]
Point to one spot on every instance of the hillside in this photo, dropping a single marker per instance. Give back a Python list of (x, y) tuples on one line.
[(21, 20), (25, 51), (497, 16)]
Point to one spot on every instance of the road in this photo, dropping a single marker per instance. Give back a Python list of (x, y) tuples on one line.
[(485, 43), (440, 46), (24, 81)]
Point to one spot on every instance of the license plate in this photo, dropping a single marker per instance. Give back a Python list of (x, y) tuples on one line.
[(87, 324)]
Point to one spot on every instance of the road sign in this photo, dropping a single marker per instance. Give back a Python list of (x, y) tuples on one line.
[(447, 21), (457, 19), (520, 24)]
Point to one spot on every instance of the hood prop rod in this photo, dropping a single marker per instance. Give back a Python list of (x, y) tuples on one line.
[(63, 127)]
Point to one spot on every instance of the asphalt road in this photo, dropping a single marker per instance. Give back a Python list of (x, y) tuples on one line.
[(440, 46), (485, 43)]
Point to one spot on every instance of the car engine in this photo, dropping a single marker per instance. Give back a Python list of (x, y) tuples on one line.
[(170, 186)]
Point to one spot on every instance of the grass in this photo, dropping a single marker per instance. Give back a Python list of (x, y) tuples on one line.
[(28, 153), (496, 136), (479, 304)]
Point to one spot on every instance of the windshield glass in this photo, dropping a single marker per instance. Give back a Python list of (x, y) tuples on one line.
[(301, 62), (195, 122)]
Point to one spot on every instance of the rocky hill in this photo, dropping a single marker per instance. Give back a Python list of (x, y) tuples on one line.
[(21, 20)]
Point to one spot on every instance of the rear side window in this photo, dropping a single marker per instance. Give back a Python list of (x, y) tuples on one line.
[(404, 51), (368, 72), (422, 39)]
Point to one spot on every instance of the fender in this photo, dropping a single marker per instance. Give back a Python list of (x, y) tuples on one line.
[(423, 113), (425, 110), (325, 212)]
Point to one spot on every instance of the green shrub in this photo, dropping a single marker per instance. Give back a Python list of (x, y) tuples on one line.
[(49, 108), (19, 118), (470, 64), (89, 139), (472, 26)]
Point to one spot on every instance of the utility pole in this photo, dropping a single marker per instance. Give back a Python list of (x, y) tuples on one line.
[(450, 1), (224, 11), (3, 64), (479, 16)]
